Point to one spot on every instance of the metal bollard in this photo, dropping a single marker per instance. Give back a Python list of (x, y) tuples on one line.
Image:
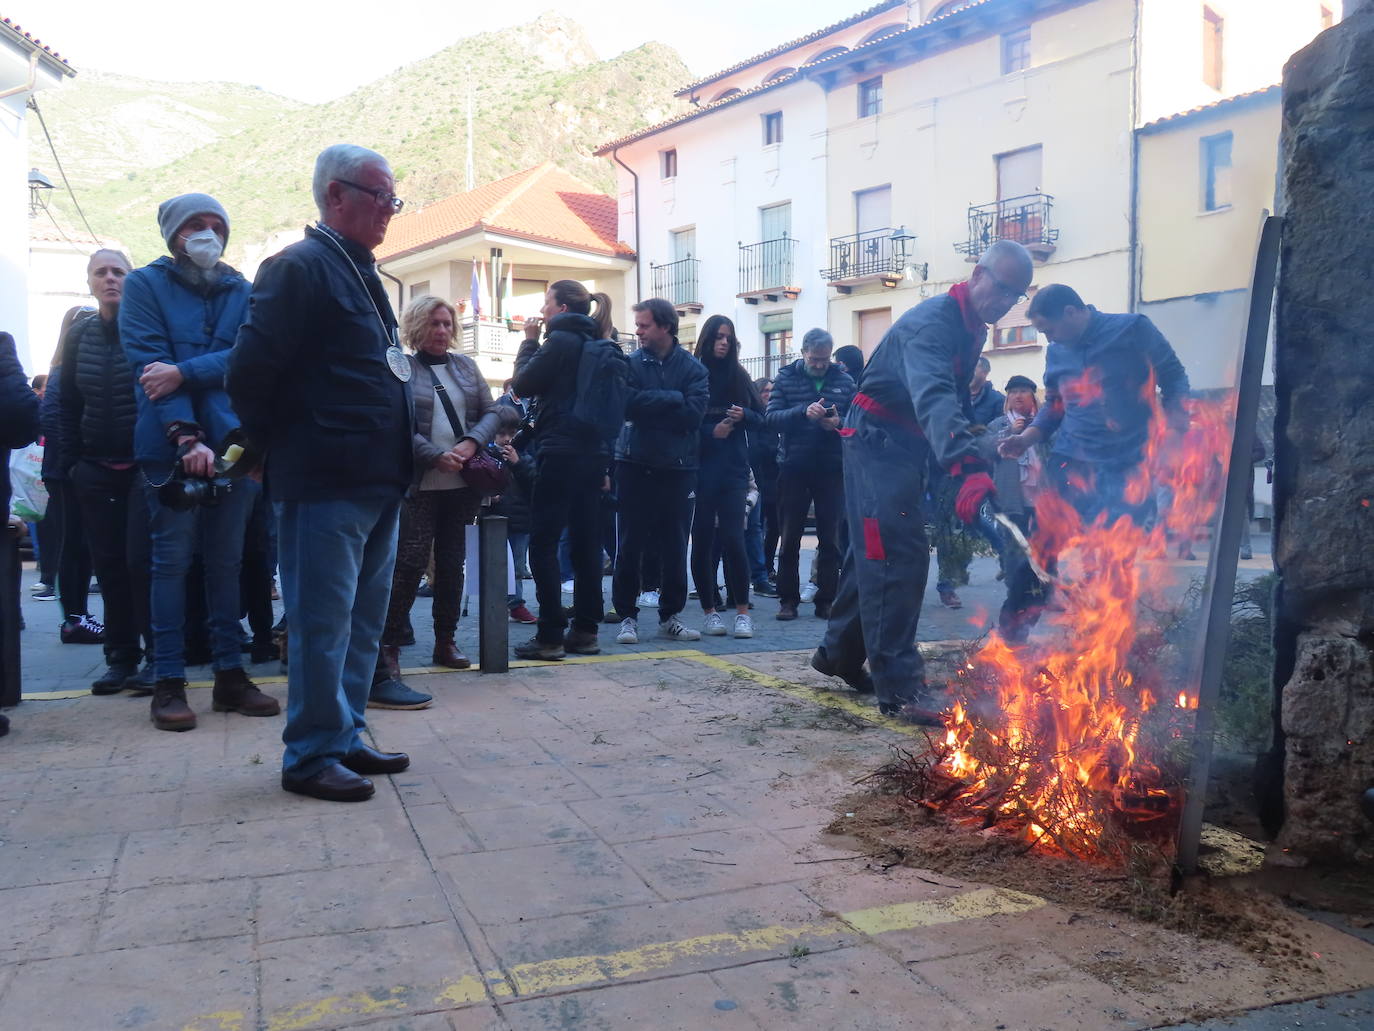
[(9, 617), (493, 616)]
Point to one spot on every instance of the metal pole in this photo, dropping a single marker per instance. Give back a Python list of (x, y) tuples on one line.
[(1221, 568), (493, 618), (9, 618)]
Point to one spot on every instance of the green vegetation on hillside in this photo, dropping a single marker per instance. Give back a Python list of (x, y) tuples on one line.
[(538, 94)]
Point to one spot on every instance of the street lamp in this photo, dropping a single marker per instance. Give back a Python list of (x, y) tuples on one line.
[(38, 185)]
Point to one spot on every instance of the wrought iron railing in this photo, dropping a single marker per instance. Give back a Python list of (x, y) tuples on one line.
[(767, 266), (677, 282), (767, 364), (877, 252), (1025, 220)]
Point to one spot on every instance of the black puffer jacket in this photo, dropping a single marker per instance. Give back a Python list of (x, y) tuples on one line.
[(546, 373), (97, 406), (18, 411), (804, 441), (663, 417)]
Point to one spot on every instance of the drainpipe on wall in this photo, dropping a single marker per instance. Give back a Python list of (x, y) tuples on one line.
[(26, 87), (1133, 261), (639, 287), (400, 290)]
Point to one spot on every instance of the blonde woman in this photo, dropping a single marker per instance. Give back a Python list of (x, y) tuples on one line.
[(455, 416)]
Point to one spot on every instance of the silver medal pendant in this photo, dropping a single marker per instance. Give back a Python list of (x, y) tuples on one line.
[(398, 363)]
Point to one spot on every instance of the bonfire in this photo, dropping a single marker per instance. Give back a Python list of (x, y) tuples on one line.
[(1058, 741)]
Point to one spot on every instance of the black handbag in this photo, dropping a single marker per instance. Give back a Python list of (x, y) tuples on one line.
[(484, 472)]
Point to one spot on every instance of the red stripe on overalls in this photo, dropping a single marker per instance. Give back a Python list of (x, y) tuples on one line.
[(873, 540), (879, 410)]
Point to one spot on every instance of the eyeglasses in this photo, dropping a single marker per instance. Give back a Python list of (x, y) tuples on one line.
[(1014, 295), (383, 199)]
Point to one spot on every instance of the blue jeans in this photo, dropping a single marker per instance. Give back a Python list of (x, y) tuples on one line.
[(216, 532), (520, 555), (337, 559), (753, 545)]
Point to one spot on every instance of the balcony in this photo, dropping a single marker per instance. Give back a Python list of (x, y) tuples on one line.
[(767, 271), (677, 282), (490, 340), (1024, 220), (874, 256)]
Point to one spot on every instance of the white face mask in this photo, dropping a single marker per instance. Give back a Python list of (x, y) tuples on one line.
[(204, 248)]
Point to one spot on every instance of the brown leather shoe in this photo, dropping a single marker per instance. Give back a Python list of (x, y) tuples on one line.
[(446, 653), (580, 642), (234, 692), (169, 709), (786, 611), (391, 660), (368, 762), (335, 783)]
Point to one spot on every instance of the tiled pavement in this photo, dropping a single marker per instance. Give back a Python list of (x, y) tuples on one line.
[(627, 844)]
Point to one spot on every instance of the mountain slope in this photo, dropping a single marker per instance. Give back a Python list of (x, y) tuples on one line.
[(538, 94)]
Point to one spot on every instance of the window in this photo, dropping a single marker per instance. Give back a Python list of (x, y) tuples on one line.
[(683, 243), (777, 346), (667, 164), (419, 289), (1216, 172), (1212, 24), (873, 210), (871, 97), (772, 128), (1328, 19), (1016, 51), (1014, 329)]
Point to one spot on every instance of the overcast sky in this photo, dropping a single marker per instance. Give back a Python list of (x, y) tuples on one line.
[(318, 51)]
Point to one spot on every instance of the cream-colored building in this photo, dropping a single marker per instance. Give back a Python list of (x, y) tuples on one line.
[(1205, 178)]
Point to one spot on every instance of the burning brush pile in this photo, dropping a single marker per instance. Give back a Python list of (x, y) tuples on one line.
[(1075, 742)]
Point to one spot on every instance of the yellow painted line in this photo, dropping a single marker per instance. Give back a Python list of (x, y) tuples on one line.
[(581, 972)]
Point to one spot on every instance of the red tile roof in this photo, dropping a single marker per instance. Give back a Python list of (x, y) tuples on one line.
[(29, 42), (853, 19), (543, 203), (1240, 99)]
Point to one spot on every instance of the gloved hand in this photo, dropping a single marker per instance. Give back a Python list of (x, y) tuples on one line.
[(975, 485)]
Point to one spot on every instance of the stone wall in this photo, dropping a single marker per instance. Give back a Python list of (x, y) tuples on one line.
[(1324, 446)]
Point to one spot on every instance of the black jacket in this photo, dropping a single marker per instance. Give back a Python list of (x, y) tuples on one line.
[(309, 380), (764, 444), (97, 405), (805, 442), (989, 405), (663, 417), (18, 411), (514, 502), (547, 374)]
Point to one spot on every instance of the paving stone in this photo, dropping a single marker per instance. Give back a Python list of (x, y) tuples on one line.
[(441, 831), (107, 781), (52, 818), (673, 1004), (701, 864), (528, 825), (176, 913), (665, 814), (129, 988), (211, 852), (547, 880), (858, 988), (355, 834), (328, 981), (508, 786), (54, 860), (355, 898), (48, 920)]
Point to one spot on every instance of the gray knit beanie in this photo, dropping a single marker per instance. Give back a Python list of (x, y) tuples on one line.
[(172, 214)]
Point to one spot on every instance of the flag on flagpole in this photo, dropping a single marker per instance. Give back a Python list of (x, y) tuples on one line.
[(476, 287)]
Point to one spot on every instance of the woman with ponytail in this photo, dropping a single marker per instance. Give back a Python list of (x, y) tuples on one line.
[(732, 411), (570, 468)]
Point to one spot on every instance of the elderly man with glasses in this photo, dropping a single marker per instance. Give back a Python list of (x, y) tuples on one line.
[(912, 403), (323, 390)]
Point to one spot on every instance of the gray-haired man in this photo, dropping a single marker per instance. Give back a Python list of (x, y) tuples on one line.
[(320, 384)]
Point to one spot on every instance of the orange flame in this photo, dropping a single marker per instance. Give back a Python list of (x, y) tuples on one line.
[(1059, 752)]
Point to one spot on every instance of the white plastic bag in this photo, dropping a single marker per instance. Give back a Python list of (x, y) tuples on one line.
[(30, 498)]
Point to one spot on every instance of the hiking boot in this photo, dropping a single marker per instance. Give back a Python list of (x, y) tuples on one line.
[(521, 614), (113, 679), (744, 625), (859, 679), (713, 625), (541, 651), (787, 610), (446, 653), (581, 642), (169, 710), (392, 694), (629, 632), (234, 692), (675, 629)]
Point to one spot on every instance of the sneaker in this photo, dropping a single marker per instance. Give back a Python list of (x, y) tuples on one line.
[(647, 600), (82, 630), (860, 680), (629, 632), (540, 651), (392, 694), (713, 626), (580, 642), (113, 679), (949, 599), (141, 683), (521, 614), (43, 592), (764, 589), (744, 626), (611, 616), (568, 586), (425, 590), (808, 592), (676, 630)]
